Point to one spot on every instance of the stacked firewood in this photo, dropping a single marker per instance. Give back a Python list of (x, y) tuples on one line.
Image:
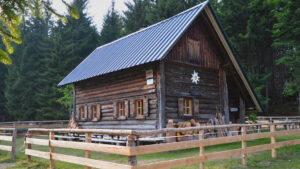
[(190, 135), (73, 124), (181, 136), (219, 120)]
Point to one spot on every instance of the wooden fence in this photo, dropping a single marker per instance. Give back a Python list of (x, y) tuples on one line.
[(279, 118), (131, 150), (9, 131), (10, 137), (276, 119), (34, 124)]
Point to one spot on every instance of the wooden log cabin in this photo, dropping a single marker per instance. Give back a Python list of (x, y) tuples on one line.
[(181, 68)]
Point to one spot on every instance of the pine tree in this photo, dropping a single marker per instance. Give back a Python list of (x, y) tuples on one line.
[(135, 16), (23, 76), (12, 16), (112, 26), (69, 44), (287, 40), (3, 75), (163, 9)]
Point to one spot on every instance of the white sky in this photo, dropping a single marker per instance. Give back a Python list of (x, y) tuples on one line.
[(96, 9)]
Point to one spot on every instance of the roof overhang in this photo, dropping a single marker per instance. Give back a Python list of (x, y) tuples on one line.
[(232, 55)]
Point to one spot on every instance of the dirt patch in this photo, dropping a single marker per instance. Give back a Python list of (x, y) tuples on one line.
[(4, 165)]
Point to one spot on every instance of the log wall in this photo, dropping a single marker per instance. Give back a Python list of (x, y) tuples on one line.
[(179, 85), (107, 90), (197, 46), (197, 50)]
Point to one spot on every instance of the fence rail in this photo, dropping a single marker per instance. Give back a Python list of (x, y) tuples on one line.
[(282, 118), (34, 124), (132, 149), (9, 131), (8, 137)]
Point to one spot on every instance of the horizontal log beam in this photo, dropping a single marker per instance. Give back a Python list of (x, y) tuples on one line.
[(148, 149), (6, 138), (36, 153), (151, 132), (214, 156), (5, 148), (88, 162), (36, 141), (121, 150)]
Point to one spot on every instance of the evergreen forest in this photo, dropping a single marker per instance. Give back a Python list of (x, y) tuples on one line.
[(264, 33)]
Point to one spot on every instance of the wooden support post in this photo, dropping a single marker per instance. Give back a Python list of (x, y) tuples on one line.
[(201, 137), (131, 143), (14, 141), (51, 137), (224, 95), (259, 129), (161, 96), (88, 139), (273, 141), (0, 135), (244, 146), (242, 110), (28, 145)]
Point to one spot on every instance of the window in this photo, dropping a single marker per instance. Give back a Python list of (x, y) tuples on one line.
[(81, 112), (139, 107), (121, 109), (94, 112), (188, 106)]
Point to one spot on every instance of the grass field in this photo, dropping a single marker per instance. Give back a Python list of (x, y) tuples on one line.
[(288, 157)]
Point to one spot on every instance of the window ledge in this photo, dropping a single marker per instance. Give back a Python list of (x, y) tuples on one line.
[(188, 115), (140, 117), (121, 118)]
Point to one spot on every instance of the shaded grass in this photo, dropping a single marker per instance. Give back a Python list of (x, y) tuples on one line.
[(288, 157)]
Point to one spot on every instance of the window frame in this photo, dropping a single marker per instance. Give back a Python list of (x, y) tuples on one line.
[(94, 107), (121, 109), (139, 110), (82, 112), (188, 106)]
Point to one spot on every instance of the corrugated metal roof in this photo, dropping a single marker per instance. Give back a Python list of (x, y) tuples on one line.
[(148, 45)]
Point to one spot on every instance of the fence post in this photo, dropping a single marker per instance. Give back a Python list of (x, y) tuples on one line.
[(131, 143), (273, 141), (51, 137), (88, 139), (201, 154), (244, 146), (28, 145), (14, 140)]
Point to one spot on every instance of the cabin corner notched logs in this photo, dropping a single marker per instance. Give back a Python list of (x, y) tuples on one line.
[(128, 87), (145, 95)]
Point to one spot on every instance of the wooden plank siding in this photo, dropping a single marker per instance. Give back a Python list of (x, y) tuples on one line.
[(197, 46), (199, 49), (127, 85), (196, 50), (206, 91)]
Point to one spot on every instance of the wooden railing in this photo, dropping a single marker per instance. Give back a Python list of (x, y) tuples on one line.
[(132, 150), (19, 125), (8, 135), (9, 131), (276, 119), (34, 124), (279, 118)]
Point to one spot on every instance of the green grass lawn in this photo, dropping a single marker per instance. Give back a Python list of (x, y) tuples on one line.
[(287, 157)]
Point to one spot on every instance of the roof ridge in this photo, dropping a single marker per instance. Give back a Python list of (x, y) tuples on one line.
[(151, 26)]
